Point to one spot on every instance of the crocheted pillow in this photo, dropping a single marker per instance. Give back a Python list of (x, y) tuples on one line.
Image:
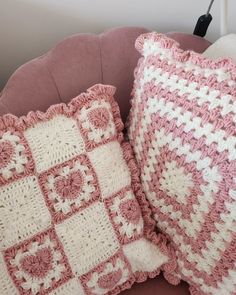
[(183, 130), (73, 219)]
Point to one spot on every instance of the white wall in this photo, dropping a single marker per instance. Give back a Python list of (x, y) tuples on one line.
[(29, 28)]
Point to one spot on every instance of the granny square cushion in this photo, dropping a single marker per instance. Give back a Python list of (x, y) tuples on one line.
[(73, 218), (182, 128)]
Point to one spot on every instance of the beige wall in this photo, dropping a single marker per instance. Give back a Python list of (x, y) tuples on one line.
[(29, 28)]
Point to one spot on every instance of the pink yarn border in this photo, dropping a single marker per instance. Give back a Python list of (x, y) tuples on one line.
[(99, 92), (60, 217), (30, 165), (67, 274), (108, 202), (186, 55), (119, 288)]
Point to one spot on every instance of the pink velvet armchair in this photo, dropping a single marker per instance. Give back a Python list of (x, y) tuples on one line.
[(74, 65)]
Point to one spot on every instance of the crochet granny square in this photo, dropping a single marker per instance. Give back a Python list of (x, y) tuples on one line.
[(183, 130), (73, 218)]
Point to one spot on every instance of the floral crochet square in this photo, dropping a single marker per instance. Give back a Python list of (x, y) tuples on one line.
[(182, 128), (96, 123), (107, 275), (38, 265), (126, 215), (68, 187), (15, 156)]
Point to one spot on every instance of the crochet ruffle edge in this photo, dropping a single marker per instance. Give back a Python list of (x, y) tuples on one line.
[(149, 224), (185, 55), (69, 109)]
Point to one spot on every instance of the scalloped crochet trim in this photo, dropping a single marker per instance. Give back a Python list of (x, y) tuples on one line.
[(149, 224), (139, 277), (194, 291), (69, 109), (186, 55)]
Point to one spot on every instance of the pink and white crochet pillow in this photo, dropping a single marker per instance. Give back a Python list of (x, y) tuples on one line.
[(182, 128), (73, 218)]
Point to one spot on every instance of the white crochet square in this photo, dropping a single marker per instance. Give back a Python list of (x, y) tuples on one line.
[(54, 142), (23, 212), (144, 255), (7, 286), (88, 238), (111, 168), (72, 287)]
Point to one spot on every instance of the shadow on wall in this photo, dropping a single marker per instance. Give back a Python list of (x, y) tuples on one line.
[(31, 29)]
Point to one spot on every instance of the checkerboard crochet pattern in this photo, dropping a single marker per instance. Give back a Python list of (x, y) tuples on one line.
[(183, 130), (73, 218)]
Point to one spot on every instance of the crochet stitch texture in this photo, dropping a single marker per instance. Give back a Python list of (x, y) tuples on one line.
[(182, 128), (73, 218)]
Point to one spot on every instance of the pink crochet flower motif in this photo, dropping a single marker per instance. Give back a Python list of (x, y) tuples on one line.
[(130, 210), (15, 156), (96, 123), (6, 153), (109, 281), (126, 216), (38, 265), (99, 118), (70, 187), (107, 276)]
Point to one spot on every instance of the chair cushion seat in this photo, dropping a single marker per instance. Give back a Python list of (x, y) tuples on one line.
[(158, 286)]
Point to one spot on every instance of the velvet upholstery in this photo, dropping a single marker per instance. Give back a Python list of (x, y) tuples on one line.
[(77, 63), (74, 65), (157, 286)]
